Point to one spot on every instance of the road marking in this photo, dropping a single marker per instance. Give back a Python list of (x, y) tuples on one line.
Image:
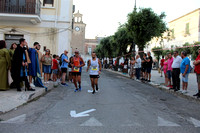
[(165, 123), (195, 122), (92, 122), (18, 119), (82, 114)]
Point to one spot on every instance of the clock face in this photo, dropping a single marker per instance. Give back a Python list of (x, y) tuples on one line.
[(77, 28)]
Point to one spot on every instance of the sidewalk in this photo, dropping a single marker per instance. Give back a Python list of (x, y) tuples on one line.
[(158, 82), (11, 99)]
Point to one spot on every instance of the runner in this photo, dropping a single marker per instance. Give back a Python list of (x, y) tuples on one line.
[(77, 64), (95, 70)]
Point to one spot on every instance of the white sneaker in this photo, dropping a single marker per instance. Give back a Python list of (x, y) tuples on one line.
[(32, 85), (185, 91), (47, 82)]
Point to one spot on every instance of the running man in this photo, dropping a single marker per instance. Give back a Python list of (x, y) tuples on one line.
[(95, 70), (77, 64)]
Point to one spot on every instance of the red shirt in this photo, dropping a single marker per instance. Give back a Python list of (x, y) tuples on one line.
[(197, 67), (55, 64), (162, 62)]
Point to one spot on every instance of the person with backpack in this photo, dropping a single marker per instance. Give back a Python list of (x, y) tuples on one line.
[(64, 66)]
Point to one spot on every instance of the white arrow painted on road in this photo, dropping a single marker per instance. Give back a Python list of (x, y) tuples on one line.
[(165, 123), (195, 122), (82, 114), (18, 119)]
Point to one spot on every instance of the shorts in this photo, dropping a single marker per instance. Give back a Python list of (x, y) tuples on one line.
[(47, 69), (55, 71), (185, 79), (149, 69), (64, 70), (76, 73), (94, 76), (198, 78), (143, 69), (169, 74)]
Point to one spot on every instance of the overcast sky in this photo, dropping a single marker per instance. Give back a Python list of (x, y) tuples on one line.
[(103, 16)]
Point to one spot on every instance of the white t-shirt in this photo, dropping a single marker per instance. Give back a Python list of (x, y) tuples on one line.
[(177, 62), (138, 63)]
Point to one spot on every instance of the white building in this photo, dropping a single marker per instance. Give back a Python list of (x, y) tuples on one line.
[(48, 22)]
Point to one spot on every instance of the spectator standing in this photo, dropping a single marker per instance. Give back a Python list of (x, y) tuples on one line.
[(12, 49), (47, 62), (55, 68), (70, 69), (149, 66), (185, 70), (138, 67), (144, 67), (132, 68), (64, 67), (197, 71), (165, 68), (19, 66), (5, 64), (32, 67), (40, 58), (161, 65), (125, 65), (176, 71), (169, 69)]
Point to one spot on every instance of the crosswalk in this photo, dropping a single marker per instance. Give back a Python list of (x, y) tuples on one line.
[(93, 122)]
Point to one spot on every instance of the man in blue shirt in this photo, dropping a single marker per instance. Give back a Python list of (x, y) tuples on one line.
[(185, 70), (64, 67)]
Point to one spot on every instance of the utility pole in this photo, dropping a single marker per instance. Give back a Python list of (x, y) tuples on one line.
[(135, 10)]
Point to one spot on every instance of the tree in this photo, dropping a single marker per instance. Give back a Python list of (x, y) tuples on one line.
[(145, 25), (158, 52), (122, 39)]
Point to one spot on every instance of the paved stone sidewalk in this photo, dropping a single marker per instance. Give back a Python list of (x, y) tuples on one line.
[(11, 99), (158, 82)]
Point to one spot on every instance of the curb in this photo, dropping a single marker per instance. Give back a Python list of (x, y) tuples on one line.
[(21, 98), (161, 87)]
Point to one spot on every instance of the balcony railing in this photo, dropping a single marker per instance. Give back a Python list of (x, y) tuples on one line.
[(20, 7)]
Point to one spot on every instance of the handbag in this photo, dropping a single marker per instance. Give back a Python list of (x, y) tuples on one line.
[(10, 80)]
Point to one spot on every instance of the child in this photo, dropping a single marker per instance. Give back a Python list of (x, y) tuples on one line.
[(55, 68)]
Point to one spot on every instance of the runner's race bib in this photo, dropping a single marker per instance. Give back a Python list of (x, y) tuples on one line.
[(94, 68), (76, 69)]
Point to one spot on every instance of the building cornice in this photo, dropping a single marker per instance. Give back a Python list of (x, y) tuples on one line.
[(185, 15)]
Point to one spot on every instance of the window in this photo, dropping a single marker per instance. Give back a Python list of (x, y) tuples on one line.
[(50, 2), (187, 28), (89, 51), (12, 38)]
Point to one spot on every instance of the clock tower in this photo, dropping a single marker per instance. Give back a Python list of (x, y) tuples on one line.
[(78, 34)]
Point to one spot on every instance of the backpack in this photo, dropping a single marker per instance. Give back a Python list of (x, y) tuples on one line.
[(61, 59)]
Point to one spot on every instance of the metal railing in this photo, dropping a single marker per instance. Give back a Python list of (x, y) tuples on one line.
[(32, 7)]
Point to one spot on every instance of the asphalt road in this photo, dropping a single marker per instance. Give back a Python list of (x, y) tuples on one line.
[(122, 105)]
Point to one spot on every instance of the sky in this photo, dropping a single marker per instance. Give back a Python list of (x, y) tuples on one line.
[(102, 17)]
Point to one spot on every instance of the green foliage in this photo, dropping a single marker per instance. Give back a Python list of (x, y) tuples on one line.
[(193, 51), (144, 25), (158, 52)]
